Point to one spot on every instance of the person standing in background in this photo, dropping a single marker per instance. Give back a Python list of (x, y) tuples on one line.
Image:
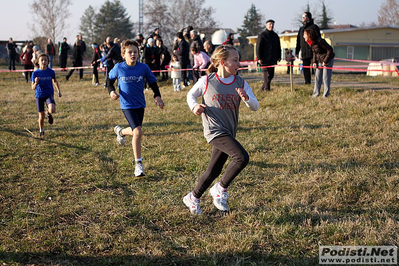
[(64, 48), (289, 57), (268, 52), (50, 51), (26, 59), (182, 50), (303, 47), (77, 59), (322, 61), (11, 46), (95, 62)]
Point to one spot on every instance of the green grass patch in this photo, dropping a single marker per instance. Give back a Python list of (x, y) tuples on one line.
[(321, 172)]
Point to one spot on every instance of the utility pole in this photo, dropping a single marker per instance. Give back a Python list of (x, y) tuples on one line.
[(141, 16)]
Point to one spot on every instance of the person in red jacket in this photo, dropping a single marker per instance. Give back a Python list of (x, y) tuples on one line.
[(26, 59)]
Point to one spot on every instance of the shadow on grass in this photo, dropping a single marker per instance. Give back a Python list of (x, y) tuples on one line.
[(247, 258)]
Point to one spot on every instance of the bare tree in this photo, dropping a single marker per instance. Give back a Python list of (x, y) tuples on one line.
[(50, 17), (172, 16), (389, 13)]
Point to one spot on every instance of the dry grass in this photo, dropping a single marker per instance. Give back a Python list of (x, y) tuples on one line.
[(322, 172)]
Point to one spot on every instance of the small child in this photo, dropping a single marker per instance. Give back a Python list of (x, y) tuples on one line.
[(201, 62), (42, 81), (176, 73), (131, 76), (222, 91)]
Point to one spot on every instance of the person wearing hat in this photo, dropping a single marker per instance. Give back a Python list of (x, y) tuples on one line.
[(301, 45), (268, 52)]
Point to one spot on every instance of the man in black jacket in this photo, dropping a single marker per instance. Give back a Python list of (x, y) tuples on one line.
[(268, 52), (113, 57), (301, 45), (64, 47)]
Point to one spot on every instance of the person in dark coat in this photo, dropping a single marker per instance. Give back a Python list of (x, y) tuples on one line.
[(12, 54), (165, 58), (64, 48), (303, 47), (229, 40), (322, 61), (268, 52), (113, 57), (26, 59), (151, 56), (95, 62), (182, 50), (77, 59)]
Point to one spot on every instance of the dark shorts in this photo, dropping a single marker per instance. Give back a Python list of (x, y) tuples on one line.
[(40, 102), (134, 117)]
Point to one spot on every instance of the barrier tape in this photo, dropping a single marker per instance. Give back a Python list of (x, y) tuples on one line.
[(346, 68)]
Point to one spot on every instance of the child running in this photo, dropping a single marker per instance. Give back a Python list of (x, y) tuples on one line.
[(221, 91), (131, 76), (42, 81)]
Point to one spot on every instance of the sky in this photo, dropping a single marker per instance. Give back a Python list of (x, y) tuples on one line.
[(229, 13)]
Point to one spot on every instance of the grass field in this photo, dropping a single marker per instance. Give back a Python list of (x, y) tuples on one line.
[(321, 172)]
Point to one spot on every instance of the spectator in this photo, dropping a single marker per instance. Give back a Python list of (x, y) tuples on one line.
[(50, 51), (303, 47), (95, 61), (11, 53), (151, 56), (268, 52), (201, 63), (82, 45), (64, 48), (164, 56), (208, 48), (113, 56), (195, 42), (35, 55), (175, 73), (290, 59), (230, 39), (182, 52), (77, 59), (26, 59), (322, 61), (141, 43)]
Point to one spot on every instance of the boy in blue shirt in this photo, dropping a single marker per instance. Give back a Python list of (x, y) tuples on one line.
[(42, 81), (132, 76)]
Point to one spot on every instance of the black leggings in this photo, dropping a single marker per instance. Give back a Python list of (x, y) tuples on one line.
[(223, 147)]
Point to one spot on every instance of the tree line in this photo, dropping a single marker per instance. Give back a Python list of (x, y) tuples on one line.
[(112, 19)]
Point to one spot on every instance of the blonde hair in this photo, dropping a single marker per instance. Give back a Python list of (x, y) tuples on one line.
[(222, 52)]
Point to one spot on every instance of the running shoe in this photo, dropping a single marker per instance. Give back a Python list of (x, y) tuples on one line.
[(139, 169), (219, 198), (50, 118), (119, 137), (193, 205)]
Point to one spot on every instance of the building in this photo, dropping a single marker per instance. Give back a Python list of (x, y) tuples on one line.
[(349, 42)]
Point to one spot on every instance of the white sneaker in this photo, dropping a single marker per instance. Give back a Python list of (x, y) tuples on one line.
[(219, 198), (119, 137), (193, 205), (139, 169)]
